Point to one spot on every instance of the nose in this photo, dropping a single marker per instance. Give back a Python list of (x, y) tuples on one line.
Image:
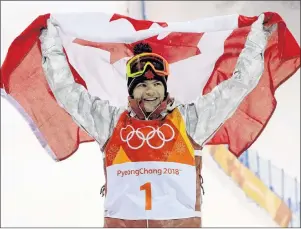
[(150, 91)]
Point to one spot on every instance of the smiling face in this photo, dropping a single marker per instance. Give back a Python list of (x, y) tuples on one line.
[(151, 92)]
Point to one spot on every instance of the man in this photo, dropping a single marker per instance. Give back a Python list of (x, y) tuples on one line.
[(152, 171)]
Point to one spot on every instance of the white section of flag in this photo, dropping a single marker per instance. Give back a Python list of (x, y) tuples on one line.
[(109, 81)]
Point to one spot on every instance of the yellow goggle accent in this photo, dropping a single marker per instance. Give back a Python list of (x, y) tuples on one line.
[(137, 65)]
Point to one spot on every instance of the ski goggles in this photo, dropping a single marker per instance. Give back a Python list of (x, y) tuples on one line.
[(137, 65)]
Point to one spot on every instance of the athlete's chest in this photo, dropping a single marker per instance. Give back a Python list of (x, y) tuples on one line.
[(136, 140)]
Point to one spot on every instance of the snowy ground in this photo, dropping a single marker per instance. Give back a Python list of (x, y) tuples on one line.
[(36, 191)]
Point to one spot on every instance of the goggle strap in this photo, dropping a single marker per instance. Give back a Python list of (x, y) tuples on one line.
[(131, 83)]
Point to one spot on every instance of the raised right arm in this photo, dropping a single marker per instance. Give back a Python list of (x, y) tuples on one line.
[(92, 114)]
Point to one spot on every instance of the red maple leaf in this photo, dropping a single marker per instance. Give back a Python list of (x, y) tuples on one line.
[(174, 47), (149, 75)]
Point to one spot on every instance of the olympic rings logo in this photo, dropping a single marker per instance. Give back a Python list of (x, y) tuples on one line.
[(147, 138)]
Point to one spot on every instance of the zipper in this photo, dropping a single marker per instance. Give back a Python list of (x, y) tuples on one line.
[(142, 112), (147, 118)]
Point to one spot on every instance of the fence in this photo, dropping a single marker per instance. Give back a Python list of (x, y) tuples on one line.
[(286, 187)]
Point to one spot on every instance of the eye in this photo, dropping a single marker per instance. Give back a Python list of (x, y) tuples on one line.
[(158, 84), (141, 85)]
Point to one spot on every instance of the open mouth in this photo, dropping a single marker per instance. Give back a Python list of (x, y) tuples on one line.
[(150, 99)]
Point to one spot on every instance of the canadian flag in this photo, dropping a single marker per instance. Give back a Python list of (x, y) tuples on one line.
[(202, 53)]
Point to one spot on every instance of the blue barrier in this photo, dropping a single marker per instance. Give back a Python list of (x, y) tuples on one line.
[(283, 185)]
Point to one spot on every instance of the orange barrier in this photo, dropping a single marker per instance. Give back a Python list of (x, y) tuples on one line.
[(253, 187)]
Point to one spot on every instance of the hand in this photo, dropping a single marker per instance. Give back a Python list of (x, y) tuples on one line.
[(259, 33)]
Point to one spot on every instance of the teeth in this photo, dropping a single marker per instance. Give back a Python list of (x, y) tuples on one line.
[(150, 99)]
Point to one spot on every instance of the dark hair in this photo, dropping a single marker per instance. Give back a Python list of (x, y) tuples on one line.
[(142, 48)]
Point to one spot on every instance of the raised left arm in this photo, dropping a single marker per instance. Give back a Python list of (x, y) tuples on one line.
[(209, 112)]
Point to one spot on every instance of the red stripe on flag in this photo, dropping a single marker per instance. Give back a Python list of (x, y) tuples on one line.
[(20, 48), (287, 44), (28, 86), (282, 60)]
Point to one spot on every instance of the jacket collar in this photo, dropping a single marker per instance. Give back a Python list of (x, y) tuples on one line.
[(135, 108)]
